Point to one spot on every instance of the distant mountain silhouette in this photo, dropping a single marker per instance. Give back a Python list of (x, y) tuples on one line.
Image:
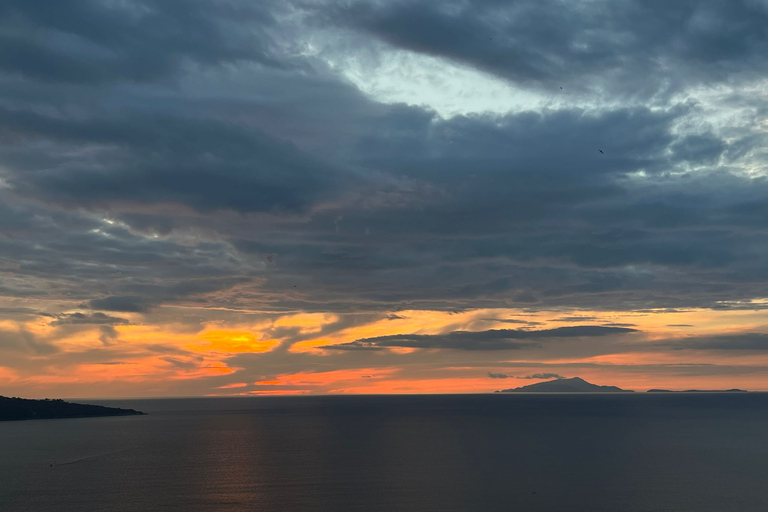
[(574, 385), (699, 391), (23, 409)]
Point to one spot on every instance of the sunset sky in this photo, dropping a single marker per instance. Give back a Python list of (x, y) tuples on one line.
[(240, 197)]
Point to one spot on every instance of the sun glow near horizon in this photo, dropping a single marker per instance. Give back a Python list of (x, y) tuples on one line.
[(652, 349)]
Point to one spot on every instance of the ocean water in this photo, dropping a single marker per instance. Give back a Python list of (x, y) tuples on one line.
[(552, 453)]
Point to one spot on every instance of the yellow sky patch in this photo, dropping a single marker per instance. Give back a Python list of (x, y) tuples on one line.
[(232, 342)]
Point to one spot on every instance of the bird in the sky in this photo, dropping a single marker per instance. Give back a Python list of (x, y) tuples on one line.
[(601, 151)]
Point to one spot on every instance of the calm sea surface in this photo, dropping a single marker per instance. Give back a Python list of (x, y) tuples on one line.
[(704, 452)]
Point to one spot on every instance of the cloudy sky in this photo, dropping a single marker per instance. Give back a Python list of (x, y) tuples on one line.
[(210, 197)]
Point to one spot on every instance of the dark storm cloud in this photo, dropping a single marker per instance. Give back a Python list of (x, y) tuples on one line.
[(634, 48), (92, 41), (88, 319), (519, 146), (150, 295), (529, 188), (154, 158), (134, 304), (74, 257), (228, 158), (500, 339), (575, 319)]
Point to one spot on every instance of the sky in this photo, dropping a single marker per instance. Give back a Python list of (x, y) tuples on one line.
[(230, 197)]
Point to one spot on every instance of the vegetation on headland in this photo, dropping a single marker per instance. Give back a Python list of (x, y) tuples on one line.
[(24, 409)]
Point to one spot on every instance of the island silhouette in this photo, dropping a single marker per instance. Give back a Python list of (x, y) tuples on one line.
[(579, 385), (23, 409), (572, 385)]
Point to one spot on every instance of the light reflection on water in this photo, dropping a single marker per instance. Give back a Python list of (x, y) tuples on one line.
[(405, 453)]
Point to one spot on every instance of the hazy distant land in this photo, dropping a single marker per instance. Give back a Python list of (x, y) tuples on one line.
[(573, 385), (23, 409), (579, 385), (698, 391)]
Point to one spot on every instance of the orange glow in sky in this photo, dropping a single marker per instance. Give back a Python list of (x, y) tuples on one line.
[(226, 359)]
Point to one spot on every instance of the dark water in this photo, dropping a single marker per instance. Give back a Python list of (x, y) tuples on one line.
[(402, 453)]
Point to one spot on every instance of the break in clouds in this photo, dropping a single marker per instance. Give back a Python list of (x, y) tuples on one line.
[(273, 158)]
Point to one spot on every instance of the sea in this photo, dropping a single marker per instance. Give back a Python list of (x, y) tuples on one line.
[(496, 452)]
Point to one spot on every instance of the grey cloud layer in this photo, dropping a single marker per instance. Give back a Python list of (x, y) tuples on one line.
[(154, 158), (634, 48), (84, 319), (240, 170), (496, 339), (95, 41), (752, 341), (543, 376), (535, 376)]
